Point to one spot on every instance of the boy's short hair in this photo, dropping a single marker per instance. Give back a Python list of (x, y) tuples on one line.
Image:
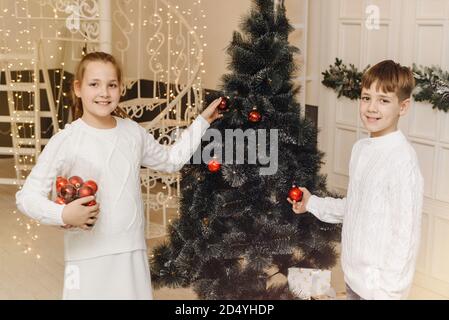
[(390, 77)]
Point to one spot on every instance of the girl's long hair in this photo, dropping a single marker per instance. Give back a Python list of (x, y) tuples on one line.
[(77, 108)]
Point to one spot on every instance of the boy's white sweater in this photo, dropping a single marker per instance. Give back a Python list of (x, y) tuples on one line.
[(111, 157), (381, 217)]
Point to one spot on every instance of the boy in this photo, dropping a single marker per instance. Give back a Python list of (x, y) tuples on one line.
[(381, 214)]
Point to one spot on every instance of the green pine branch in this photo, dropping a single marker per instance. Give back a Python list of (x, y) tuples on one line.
[(432, 83), (346, 81)]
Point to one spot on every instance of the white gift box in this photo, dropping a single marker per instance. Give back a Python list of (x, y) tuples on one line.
[(307, 283)]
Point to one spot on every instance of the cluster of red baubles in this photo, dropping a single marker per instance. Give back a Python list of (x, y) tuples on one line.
[(74, 188), (254, 116)]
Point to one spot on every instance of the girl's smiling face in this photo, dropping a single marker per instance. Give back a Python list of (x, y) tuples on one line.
[(99, 90), (380, 111)]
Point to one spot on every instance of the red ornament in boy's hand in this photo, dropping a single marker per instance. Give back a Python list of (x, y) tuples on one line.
[(76, 181), (295, 194), (214, 165)]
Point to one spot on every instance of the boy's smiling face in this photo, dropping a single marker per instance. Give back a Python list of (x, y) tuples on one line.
[(380, 111)]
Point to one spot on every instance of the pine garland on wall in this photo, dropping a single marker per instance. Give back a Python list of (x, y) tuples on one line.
[(346, 81), (432, 83), (432, 86)]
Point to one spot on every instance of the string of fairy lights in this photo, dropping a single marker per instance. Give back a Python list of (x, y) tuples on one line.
[(18, 32), (20, 26)]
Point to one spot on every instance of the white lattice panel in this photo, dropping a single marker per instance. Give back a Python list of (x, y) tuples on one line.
[(347, 111), (440, 262), (378, 44), (351, 9), (423, 121), (432, 9), (344, 140), (350, 37), (442, 185), (426, 35)]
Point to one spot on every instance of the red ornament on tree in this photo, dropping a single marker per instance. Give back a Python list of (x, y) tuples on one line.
[(254, 116), (214, 166), (76, 181), (295, 194)]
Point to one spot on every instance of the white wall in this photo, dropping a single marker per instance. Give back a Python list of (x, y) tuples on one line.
[(223, 17)]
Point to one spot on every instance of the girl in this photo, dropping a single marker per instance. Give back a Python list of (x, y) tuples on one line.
[(105, 252)]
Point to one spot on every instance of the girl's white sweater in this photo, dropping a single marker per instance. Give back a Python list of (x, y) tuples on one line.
[(111, 157)]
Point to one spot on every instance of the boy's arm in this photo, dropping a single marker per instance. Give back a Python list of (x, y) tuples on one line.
[(32, 199), (330, 210), (172, 158), (400, 257)]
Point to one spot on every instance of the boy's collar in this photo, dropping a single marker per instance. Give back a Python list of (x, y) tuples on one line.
[(389, 138)]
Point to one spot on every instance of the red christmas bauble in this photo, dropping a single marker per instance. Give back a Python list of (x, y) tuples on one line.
[(68, 193), (223, 104), (214, 165), (295, 194), (60, 200), (76, 181), (254, 116), (60, 182), (91, 184), (85, 191)]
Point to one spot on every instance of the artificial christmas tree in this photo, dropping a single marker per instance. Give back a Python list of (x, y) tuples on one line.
[(236, 229)]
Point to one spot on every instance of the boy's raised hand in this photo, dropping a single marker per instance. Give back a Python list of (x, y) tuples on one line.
[(300, 207), (76, 214), (211, 113)]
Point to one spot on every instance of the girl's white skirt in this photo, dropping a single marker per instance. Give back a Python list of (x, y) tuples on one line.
[(121, 276)]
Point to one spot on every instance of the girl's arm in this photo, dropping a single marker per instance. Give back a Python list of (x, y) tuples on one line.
[(172, 158), (32, 199)]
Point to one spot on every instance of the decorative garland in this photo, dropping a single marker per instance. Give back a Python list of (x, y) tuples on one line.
[(346, 81), (432, 83), (432, 86)]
